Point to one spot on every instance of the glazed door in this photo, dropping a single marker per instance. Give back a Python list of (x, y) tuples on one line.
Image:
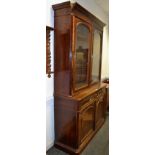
[(96, 56), (81, 53)]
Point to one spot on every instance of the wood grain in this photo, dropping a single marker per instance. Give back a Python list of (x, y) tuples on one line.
[(79, 113)]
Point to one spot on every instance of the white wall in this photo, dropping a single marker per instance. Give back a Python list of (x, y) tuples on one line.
[(95, 9), (49, 85), (105, 53), (49, 122), (91, 6)]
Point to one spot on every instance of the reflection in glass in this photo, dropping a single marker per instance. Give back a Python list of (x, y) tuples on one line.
[(96, 56), (82, 47)]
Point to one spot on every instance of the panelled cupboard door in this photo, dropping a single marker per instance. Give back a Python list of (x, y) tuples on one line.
[(99, 113), (100, 108), (86, 122), (82, 48)]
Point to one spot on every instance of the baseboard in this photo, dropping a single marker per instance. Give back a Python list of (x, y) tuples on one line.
[(49, 146)]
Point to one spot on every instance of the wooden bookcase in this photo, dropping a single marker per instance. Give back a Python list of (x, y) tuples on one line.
[(79, 94)]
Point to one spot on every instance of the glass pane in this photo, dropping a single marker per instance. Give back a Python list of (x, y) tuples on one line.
[(82, 47), (96, 56)]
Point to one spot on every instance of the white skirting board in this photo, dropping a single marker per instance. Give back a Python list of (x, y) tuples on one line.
[(49, 123)]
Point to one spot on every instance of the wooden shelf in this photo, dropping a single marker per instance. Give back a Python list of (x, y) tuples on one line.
[(49, 28)]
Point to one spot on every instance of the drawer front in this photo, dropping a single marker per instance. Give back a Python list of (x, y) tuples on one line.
[(92, 98), (86, 122)]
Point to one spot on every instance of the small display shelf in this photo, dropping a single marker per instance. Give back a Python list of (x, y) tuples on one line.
[(48, 52)]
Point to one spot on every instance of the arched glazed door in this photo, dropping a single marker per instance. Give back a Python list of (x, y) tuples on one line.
[(82, 53)]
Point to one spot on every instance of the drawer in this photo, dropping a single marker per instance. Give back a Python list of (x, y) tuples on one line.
[(87, 101), (98, 95)]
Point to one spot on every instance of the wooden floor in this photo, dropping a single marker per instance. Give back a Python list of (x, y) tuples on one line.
[(98, 146)]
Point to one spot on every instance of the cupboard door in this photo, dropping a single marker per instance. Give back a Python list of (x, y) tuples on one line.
[(86, 122), (100, 108), (82, 51), (99, 113)]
